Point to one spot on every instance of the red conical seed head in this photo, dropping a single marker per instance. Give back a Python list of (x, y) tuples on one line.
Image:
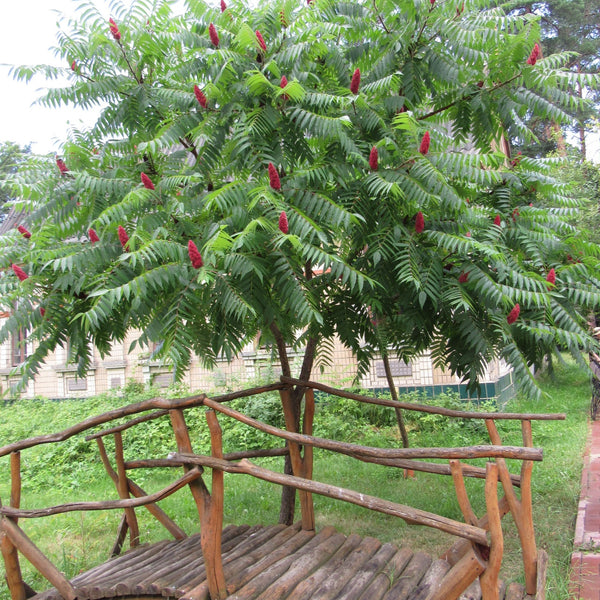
[(535, 53), (497, 220), (223, 6), (194, 255), (283, 222), (424, 147), (551, 278), (23, 231), (146, 181), (42, 311), (21, 275), (73, 66), (200, 96), (374, 159), (513, 315), (283, 81), (123, 237), (261, 41), (114, 29), (214, 36), (355, 82), (62, 167), (274, 180), (463, 277), (419, 222), (93, 236)]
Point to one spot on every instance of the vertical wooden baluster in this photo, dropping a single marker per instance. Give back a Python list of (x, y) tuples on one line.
[(306, 500), (212, 525), (138, 492), (200, 494), (489, 578), (14, 578), (529, 549), (123, 489), (461, 493), (523, 522)]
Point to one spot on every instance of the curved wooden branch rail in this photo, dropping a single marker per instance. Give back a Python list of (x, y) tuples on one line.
[(190, 476), (357, 451), (132, 409), (407, 513), (424, 407)]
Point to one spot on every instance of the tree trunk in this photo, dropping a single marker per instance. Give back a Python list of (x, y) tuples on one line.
[(287, 507), (394, 393)]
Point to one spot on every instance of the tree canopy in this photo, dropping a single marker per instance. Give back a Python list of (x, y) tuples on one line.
[(301, 171)]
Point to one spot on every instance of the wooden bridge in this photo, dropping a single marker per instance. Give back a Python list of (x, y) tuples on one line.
[(277, 561)]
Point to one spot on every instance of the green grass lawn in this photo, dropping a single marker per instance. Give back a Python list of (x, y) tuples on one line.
[(58, 473)]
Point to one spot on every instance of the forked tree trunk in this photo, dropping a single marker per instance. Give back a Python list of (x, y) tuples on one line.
[(288, 494)]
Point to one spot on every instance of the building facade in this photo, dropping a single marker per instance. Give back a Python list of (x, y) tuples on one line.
[(58, 379)]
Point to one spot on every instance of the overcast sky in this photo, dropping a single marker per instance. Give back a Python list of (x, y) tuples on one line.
[(28, 32)]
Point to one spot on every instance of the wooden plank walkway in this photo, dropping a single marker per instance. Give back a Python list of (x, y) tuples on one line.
[(273, 563)]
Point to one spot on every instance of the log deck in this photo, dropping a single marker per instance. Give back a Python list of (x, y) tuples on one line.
[(286, 562), (274, 562)]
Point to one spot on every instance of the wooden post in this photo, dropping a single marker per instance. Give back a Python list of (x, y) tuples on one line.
[(302, 466), (459, 577), (211, 524), (123, 489), (521, 510), (461, 493), (489, 578), (37, 558), (138, 492), (14, 578), (202, 498)]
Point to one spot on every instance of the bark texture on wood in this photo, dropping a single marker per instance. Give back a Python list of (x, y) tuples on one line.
[(37, 558), (356, 450), (423, 407), (521, 510), (407, 513), (123, 490)]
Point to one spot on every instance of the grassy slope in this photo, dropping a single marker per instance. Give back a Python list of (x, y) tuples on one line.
[(77, 541)]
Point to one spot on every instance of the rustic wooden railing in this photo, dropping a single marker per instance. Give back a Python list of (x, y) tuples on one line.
[(477, 553)]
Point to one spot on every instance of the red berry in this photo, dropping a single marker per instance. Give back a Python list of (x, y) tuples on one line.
[(261, 41), (147, 182), (195, 255), (200, 96), (513, 315), (424, 147), (283, 222), (23, 231), (214, 36), (21, 275), (274, 180), (419, 222), (374, 159), (355, 82)]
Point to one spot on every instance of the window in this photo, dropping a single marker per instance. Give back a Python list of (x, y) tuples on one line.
[(18, 347)]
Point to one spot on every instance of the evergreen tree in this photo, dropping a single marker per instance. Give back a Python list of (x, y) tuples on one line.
[(571, 27)]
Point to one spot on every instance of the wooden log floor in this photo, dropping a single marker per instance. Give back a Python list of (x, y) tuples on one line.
[(273, 563)]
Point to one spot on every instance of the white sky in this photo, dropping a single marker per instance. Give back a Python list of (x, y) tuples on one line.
[(28, 31)]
